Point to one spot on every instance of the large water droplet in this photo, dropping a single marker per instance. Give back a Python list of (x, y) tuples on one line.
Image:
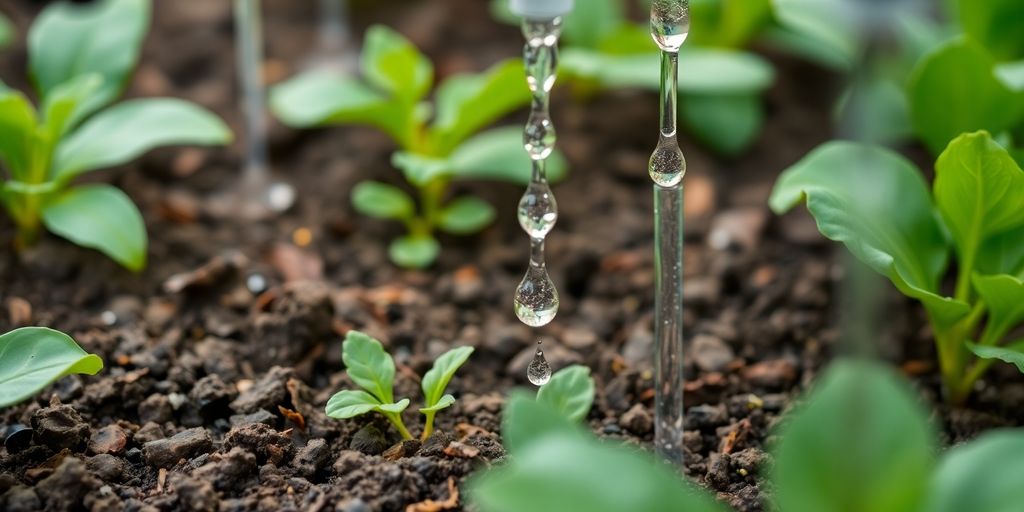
[(539, 371), (536, 300), (540, 63), (539, 136), (537, 210), (667, 165), (670, 23)]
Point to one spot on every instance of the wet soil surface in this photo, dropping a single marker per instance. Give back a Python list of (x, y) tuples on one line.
[(222, 353)]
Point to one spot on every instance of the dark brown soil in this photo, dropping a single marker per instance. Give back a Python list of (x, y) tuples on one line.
[(194, 408)]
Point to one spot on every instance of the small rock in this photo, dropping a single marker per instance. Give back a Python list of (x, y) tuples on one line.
[(579, 338), (60, 427), (267, 443), (349, 461), (212, 396), (109, 439), (312, 457), (461, 450), (17, 438), (772, 374), (193, 493), (21, 499), (165, 453), (148, 432), (296, 264), (718, 471), (106, 466), (267, 393), (710, 353), (229, 470), (740, 227), (637, 420), (639, 346), (212, 272), (156, 408), (19, 311), (706, 416), (261, 416), (369, 440), (435, 444), (467, 286), (65, 488)]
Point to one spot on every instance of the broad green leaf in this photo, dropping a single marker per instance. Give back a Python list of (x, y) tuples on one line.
[(62, 109), (443, 403), (996, 25), (368, 365), (319, 98), (727, 23), (501, 12), (421, 169), (876, 110), (1003, 254), (1012, 75), (570, 391), (68, 40), (7, 31), (465, 215), (561, 469), (466, 103), (395, 408), (33, 357), (350, 403), (99, 217), (701, 70), (586, 26), (980, 476), (1004, 295), (807, 47), (979, 191), (391, 63), (129, 129), (1012, 353), (862, 443), (17, 128), (727, 124), (876, 203), (825, 22), (954, 89), (413, 251), (383, 201), (498, 154), (524, 420), (437, 378)]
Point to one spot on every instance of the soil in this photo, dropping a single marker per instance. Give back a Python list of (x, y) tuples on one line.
[(221, 355)]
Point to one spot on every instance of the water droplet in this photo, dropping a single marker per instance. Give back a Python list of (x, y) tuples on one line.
[(539, 136), (537, 209), (670, 23), (539, 371), (540, 63), (536, 300), (667, 165)]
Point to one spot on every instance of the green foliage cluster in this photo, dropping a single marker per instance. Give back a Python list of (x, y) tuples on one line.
[(877, 203), (371, 368), (719, 84), (439, 140), (7, 31), (860, 443), (80, 58), (33, 357)]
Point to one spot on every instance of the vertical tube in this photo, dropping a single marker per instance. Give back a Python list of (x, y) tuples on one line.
[(249, 40)]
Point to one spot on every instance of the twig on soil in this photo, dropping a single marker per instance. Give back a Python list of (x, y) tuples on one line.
[(436, 506)]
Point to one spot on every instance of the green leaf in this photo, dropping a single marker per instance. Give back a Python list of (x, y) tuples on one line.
[(875, 202), (727, 23), (556, 467), (876, 109), (443, 403), (1012, 353), (979, 191), (981, 476), (383, 201), (1003, 254), (68, 40), (326, 97), (7, 31), (351, 403), (391, 63), (368, 365), (99, 217), (1012, 75), (995, 24), (825, 23), (570, 391), (586, 27), (1004, 295), (465, 215), (412, 251), (395, 408), (862, 442), (728, 124), (468, 102), (498, 154), (421, 169), (17, 129), (954, 89), (62, 109), (129, 129), (437, 378), (33, 357), (701, 70)]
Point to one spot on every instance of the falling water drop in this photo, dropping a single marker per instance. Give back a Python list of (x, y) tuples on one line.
[(536, 299), (538, 210), (539, 371), (667, 165)]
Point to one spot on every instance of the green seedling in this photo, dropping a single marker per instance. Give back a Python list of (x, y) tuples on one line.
[(373, 370), (720, 86), (570, 392), (877, 203), (80, 58), (31, 358), (439, 141)]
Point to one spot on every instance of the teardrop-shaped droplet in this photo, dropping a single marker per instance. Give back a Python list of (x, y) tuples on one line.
[(667, 165), (539, 371), (539, 136), (536, 300), (537, 209)]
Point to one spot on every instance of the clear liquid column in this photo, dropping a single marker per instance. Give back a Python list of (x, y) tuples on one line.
[(670, 24), (536, 299)]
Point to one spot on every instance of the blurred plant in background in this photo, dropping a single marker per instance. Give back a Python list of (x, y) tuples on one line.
[(438, 140), (7, 31)]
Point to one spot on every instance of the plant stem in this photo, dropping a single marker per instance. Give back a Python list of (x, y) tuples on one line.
[(396, 420), (428, 427)]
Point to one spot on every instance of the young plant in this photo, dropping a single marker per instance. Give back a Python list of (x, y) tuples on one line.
[(570, 392), (876, 203), (31, 358), (439, 141), (373, 369), (80, 58), (720, 85)]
